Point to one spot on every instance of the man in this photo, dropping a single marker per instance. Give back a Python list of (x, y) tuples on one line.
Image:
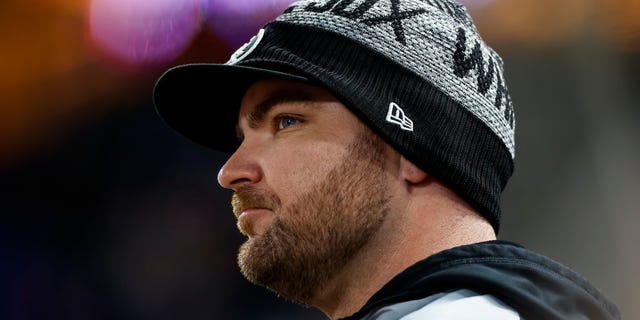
[(370, 141)]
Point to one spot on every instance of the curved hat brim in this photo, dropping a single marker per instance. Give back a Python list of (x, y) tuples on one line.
[(201, 101)]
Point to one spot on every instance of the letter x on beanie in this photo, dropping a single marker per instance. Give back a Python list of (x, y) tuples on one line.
[(414, 71)]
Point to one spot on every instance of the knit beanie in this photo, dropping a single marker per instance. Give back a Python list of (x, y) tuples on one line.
[(414, 71)]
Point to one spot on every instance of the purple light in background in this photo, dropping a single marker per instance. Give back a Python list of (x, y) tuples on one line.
[(236, 21), (144, 31)]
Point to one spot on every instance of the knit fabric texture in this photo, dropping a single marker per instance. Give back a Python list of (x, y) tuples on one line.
[(436, 39), (415, 71)]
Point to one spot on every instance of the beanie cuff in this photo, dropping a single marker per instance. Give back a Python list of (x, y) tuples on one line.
[(447, 140)]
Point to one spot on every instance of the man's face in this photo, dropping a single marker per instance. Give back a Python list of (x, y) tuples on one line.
[(309, 184)]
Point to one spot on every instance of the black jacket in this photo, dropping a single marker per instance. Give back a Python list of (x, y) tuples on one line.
[(537, 287)]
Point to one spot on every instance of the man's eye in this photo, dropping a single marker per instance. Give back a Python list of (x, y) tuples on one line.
[(285, 122)]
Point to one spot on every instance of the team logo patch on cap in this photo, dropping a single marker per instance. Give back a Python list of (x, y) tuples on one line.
[(247, 48)]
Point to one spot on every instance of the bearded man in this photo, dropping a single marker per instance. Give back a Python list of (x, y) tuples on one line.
[(370, 142)]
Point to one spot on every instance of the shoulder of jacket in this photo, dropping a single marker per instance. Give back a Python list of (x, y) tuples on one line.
[(460, 304)]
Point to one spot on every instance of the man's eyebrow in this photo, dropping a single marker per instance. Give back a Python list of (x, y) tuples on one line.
[(257, 115)]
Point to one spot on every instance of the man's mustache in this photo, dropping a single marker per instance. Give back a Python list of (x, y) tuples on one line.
[(247, 197)]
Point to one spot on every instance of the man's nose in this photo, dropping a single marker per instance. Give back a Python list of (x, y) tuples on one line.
[(241, 168)]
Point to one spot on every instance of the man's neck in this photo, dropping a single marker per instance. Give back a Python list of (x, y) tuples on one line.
[(401, 241), (375, 265)]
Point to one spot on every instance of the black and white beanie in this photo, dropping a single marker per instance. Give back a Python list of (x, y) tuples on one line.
[(415, 71)]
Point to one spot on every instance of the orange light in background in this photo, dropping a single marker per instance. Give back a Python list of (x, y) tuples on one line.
[(40, 40), (49, 74), (540, 23), (624, 22), (56, 77), (533, 23)]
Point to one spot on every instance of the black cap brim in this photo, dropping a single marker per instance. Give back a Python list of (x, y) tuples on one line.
[(201, 101)]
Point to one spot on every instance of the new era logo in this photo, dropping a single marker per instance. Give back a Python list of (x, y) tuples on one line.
[(396, 115)]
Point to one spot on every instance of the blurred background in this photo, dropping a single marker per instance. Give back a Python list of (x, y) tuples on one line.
[(108, 214)]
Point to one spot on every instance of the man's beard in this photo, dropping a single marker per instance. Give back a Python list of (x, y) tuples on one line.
[(310, 240)]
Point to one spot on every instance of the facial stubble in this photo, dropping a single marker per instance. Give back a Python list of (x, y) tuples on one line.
[(310, 240)]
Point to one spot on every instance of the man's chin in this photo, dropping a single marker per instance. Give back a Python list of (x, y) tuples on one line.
[(264, 263), (255, 261)]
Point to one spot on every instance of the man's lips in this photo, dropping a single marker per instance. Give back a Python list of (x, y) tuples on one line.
[(254, 221)]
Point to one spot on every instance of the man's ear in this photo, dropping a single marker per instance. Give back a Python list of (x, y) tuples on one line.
[(411, 173)]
